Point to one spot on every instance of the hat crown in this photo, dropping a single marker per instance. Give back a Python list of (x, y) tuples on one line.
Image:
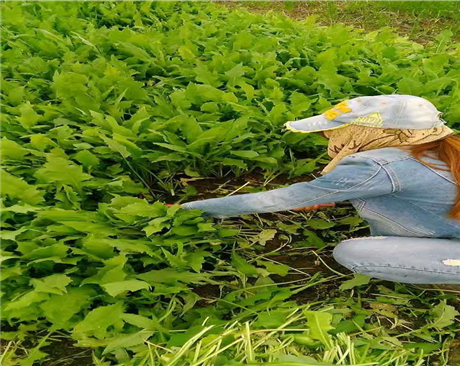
[(397, 111), (387, 111)]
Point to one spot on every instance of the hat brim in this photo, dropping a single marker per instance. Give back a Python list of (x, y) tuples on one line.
[(313, 124)]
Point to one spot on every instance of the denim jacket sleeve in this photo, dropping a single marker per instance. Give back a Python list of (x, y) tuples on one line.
[(354, 177)]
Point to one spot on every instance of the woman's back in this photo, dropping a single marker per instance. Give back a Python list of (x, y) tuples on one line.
[(419, 201)]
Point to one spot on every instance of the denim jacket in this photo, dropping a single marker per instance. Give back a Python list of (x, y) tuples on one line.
[(394, 192)]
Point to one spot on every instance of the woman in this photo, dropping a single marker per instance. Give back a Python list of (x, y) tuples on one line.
[(399, 165)]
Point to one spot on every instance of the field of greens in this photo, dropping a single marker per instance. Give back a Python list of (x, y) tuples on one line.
[(112, 109)]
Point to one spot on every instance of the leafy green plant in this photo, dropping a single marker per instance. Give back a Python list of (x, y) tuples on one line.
[(106, 104)]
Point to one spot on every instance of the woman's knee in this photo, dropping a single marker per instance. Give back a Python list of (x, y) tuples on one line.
[(354, 252), (402, 259)]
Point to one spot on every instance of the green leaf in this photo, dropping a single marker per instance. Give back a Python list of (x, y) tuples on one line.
[(55, 284), (444, 315), (99, 320), (11, 235), (10, 150), (224, 232), (116, 146), (29, 117), (20, 209), (126, 341), (235, 162), (184, 230), (191, 173), (116, 288), (144, 322), (279, 269), (350, 325), (208, 226), (241, 265), (300, 103), (87, 159), (319, 224), (170, 276), (63, 171), (50, 252), (245, 153), (426, 347), (75, 300), (144, 209), (352, 221), (191, 129), (358, 280), (156, 225), (113, 271), (264, 236), (272, 319), (28, 299), (175, 261), (314, 239), (34, 355), (41, 142), (319, 324), (196, 259), (16, 187)]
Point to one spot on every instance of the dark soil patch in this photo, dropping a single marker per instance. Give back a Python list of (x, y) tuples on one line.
[(211, 187), (455, 353), (63, 353), (310, 264), (209, 293)]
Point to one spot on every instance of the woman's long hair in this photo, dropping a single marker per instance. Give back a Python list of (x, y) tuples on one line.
[(447, 150)]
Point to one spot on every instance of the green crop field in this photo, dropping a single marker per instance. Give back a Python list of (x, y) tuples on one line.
[(111, 109)]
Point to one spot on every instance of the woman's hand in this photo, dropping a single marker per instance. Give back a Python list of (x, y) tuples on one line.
[(314, 207)]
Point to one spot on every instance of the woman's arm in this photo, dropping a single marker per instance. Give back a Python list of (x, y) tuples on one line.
[(354, 177)]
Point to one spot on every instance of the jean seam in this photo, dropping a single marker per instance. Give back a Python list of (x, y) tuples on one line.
[(437, 216), (353, 268), (361, 204), (342, 190), (397, 224), (393, 178), (384, 162), (437, 173)]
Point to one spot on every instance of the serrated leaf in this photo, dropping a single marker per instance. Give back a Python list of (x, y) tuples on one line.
[(63, 171), (55, 284), (319, 323), (444, 315), (98, 320), (264, 236), (86, 158), (17, 188), (245, 153), (319, 224), (75, 300), (116, 288), (357, 280), (243, 266)]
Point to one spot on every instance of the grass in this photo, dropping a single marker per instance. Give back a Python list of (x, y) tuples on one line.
[(420, 21)]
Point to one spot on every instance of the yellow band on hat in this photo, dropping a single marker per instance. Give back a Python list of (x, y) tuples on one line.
[(287, 125)]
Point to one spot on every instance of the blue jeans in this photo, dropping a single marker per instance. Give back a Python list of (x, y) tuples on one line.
[(402, 259)]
